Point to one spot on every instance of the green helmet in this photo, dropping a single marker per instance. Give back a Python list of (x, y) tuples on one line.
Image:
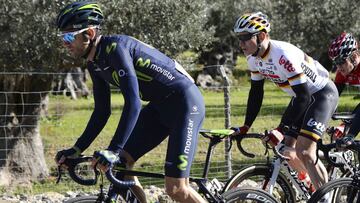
[(80, 15)]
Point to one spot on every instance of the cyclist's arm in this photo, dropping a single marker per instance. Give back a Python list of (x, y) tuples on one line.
[(340, 81), (355, 122), (300, 103), (340, 87), (101, 113), (256, 95), (122, 62)]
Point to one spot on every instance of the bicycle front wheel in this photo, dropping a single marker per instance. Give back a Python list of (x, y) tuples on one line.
[(84, 199), (258, 176), (248, 195), (338, 191)]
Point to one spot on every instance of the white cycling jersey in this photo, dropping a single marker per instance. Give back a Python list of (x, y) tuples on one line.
[(286, 65)]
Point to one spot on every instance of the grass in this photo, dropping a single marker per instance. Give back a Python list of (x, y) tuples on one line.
[(67, 119)]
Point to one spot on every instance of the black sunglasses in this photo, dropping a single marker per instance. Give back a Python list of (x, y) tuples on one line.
[(246, 37)]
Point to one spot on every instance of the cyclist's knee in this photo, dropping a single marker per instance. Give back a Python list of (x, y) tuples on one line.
[(129, 161), (289, 152), (177, 189), (179, 194), (306, 155)]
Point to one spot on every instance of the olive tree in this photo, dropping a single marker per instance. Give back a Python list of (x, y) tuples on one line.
[(31, 49), (308, 24)]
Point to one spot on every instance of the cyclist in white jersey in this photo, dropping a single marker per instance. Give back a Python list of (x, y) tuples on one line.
[(314, 95)]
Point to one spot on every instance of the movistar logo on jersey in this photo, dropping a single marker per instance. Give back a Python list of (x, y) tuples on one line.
[(141, 63), (184, 162), (190, 132), (147, 64), (111, 47)]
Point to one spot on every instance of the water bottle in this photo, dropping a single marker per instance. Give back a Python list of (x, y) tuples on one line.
[(304, 177)]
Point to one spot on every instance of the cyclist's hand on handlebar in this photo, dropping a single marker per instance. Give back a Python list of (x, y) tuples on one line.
[(103, 159), (62, 155), (345, 141), (240, 130), (274, 137)]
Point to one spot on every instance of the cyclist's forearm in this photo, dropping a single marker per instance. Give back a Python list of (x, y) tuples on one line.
[(93, 128), (256, 95), (355, 123), (126, 125)]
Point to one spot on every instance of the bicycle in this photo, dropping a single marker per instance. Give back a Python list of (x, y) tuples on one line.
[(278, 178), (212, 191), (346, 189)]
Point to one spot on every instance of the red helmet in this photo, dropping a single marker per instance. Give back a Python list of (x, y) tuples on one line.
[(342, 47)]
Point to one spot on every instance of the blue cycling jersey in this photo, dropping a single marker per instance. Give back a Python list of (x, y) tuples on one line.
[(140, 71)]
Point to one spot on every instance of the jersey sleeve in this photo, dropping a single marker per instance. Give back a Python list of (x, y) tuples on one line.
[(254, 71), (122, 63), (101, 113)]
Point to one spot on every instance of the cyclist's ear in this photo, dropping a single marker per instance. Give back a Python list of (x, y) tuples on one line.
[(262, 36), (89, 34)]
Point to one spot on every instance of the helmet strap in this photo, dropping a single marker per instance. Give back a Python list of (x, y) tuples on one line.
[(258, 46)]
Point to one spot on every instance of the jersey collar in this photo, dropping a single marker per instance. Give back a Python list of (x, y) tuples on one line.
[(266, 53)]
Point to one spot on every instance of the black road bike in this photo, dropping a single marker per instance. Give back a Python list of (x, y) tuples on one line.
[(212, 191)]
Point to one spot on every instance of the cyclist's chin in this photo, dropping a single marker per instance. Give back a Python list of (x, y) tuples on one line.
[(75, 55), (247, 53)]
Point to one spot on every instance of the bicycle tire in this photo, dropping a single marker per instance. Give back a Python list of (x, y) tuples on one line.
[(82, 199), (247, 194), (283, 191), (89, 199), (341, 190)]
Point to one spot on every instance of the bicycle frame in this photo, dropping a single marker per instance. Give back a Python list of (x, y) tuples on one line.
[(279, 163), (201, 182)]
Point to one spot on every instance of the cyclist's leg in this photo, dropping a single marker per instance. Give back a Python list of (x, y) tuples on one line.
[(147, 134), (179, 190), (316, 118), (185, 118), (290, 143)]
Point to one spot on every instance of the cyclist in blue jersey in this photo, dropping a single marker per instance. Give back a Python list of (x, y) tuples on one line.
[(175, 109)]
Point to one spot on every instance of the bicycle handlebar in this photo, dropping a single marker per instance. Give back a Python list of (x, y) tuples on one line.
[(71, 164), (257, 136), (241, 137), (116, 182)]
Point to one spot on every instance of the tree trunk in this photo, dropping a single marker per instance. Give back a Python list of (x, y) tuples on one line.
[(72, 84), (21, 149)]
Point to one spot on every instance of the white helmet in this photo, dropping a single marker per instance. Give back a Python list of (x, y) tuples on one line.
[(252, 23)]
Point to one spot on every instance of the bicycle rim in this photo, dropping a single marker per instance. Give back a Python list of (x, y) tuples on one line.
[(258, 177), (342, 190), (85, 199), (248, 195)]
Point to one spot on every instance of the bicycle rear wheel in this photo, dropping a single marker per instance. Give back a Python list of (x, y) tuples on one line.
[(259, 176), (247, 194), (338, 191)]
